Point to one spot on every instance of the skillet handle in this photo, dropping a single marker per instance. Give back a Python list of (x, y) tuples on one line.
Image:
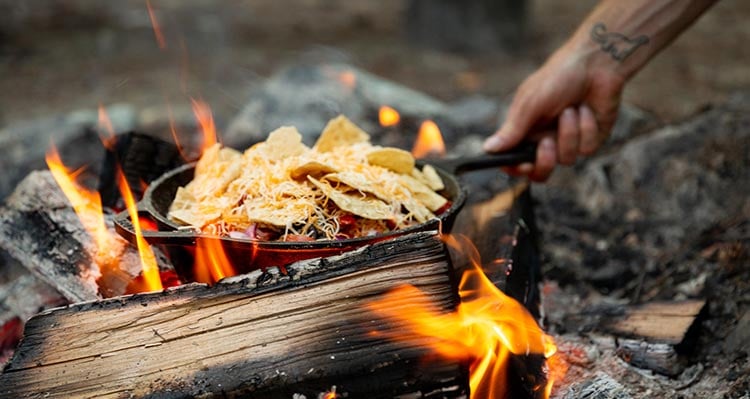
[(124, 227), (524, 152)]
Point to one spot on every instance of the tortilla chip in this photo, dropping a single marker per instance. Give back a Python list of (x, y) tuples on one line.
[(394, 159), (359, 182), (419, 211), (186, 209), (368, 208), (433, 179), (296, 210), (312, 168), (284, 142), (340, 131), (432, 200)]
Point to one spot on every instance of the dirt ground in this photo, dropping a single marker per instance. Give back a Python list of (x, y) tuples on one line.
[(76, 54)]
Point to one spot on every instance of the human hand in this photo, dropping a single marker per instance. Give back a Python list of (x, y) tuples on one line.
[(569, 106)]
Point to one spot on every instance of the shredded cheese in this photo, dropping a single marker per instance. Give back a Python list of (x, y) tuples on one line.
[(284, 185)]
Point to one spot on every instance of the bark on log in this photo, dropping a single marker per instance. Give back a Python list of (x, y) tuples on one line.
[(258, 335)]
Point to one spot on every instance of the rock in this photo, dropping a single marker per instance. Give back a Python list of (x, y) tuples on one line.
[(696, 169), (738, 339), (631, 121)]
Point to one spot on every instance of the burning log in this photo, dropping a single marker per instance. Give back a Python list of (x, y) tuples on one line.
[(264, 334), (39, 228)]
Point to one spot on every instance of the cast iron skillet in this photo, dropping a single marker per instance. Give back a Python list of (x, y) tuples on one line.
[(247, 255)]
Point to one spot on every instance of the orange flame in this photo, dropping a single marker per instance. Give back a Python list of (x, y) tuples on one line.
[(87, 204), (211, 261), (108, 138), (205, 118), (330, 394), (175, 136), (388, 116), (157, 29), (150, 269), (429, 141), (486, 328)]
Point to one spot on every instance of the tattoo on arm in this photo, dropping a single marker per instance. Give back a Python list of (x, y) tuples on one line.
[(615, 44)]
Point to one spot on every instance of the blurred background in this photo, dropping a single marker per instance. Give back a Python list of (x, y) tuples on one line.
[(60, 55)]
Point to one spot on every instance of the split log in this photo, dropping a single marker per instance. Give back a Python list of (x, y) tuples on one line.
[(39, 229), (657, 333), (258, 335), (658, 322), (652, 336)]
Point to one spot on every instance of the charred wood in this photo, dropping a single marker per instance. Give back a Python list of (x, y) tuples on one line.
[(40, 230), (602, 386), (142, 158)]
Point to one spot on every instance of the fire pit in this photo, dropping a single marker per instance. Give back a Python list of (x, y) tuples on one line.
[(287, 329)]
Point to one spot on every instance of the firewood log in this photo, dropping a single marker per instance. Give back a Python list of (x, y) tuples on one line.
[(263, 334)]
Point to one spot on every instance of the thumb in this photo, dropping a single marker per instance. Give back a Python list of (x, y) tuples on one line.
[(517, 124)]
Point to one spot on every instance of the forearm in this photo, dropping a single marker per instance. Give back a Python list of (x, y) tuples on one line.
[(621, 36)]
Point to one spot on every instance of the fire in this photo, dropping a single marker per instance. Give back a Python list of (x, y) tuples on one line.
[(211, 261), (485, 328), (330, 394), (429, 141), (108, 139), (206, 119), (150, 269), (87, 204), (155, 24), (388, 116), (175, 136)]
